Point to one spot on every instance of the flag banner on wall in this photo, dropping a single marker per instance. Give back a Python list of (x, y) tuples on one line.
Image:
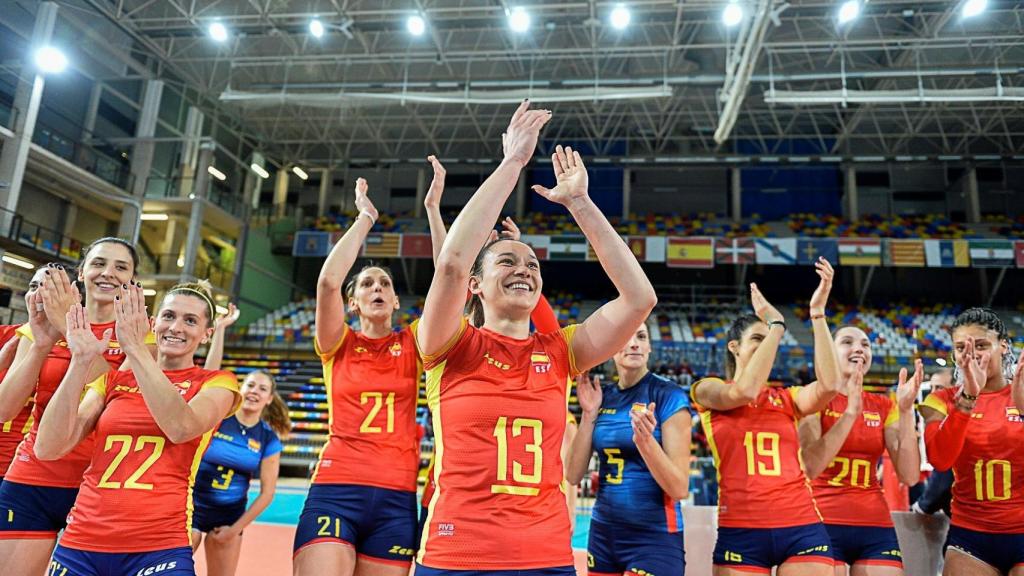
[(690, 252), (310, 243), (416, 246), (734, 251), (905, 253), (1018, 249), (638, 246), (382, 245), (567, 248), (992, 253), (776, 251), (539, 244), (860, 252), (656, 248), (808, 250), (946, 254)]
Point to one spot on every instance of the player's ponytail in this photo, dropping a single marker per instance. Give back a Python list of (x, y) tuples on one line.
[(275, 414)]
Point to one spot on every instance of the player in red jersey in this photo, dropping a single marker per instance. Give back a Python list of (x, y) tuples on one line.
[(36, 496), (360, 515), (841, 447), (975, 429), (152, 422), (766, 515), (498, 393)]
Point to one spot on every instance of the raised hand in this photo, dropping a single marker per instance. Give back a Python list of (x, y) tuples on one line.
[(644, 423), (433, 197), (225, 321), (589, 394), (820, 297), (511, 231), (570, 177), (363, 203), (43, 332), (855, 393), (907, 389), (1017, 383), (81, 340), (133, 324), (59, 294), (520, 138), (764, 310), (974, 367)]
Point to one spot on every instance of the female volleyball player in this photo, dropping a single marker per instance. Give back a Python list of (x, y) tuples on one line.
[(361, 510), (840, 449), (975, 428), (152, 423), (640, 428), (37, 495), (244, 445), (497, 393), (766, 516)]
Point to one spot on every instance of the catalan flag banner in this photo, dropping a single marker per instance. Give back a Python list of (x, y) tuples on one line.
[(905, 253), (697, 252), (992, 253), (382, 245), (860, 252), (946, 254)]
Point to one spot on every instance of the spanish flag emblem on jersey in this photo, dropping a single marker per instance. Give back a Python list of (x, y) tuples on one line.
[(541, 362), (638, 407), (872, 419), (1013, 414)]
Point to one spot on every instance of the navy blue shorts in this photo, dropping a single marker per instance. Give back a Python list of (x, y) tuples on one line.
[(613, 550), (377, 522), (1000, 551), (206, 517), (30, 512), (759, 549), (173, 562), (869, 545), (422, 570)]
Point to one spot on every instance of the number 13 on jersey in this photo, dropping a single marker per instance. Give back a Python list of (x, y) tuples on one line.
[(521, 474)]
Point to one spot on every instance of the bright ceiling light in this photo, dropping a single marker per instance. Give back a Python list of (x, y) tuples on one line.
[(218, 32), (51, 60), (940, 361), (732, 15), (18, 262), (316, 28), (154, 217), (519, 19), (620, 17), (259, 170), (216, 173), (974, 7), (416, 25), (849, 10), (300, 172), (148, 292)]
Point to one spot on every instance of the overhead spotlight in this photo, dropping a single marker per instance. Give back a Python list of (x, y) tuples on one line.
[(218, 32), (849, 10), (154, 217), (519, 19), (316, 28), (18, 262), (216, 173), (51, 60), (733, 14), (940, 361), (974, 7), (620, 17), (300, 172), (416, 25), (259, 170)]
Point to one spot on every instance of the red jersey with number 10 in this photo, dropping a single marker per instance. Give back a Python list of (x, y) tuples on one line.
[(13, 431)]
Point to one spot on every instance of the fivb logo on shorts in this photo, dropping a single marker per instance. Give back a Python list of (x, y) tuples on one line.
[(157, 568)]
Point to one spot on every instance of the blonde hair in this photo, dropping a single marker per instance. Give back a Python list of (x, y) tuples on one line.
[(201, 289)]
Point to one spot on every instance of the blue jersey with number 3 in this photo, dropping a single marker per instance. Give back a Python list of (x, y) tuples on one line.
[(233, 458), (628, 494)]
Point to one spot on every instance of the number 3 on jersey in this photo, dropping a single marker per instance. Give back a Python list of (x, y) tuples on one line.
[(377, 398), (519, 474)]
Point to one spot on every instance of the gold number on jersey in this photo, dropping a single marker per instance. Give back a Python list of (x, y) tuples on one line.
[(56, 569), (132, 482), (761, 446), (325, 526), (377, 398), (612, 459), (985, 480), (225, 479), (534, 448), (860, 476)]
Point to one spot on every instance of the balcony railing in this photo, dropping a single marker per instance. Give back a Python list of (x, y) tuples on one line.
[(172, 265), (40, 238)]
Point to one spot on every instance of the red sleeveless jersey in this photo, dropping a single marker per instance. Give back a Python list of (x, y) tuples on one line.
[(66, 472), (13, 431), (761, 483), (137, 493), (498, 405), (848, 491), (988, 486), (372, 387)]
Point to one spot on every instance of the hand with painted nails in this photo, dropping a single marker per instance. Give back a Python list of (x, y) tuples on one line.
[(433, 197), (908, 388), (59, 294), (974, 367), (764, 310), (520, 138), (44, 334), (571, 180), (84, 345), (820, 297), (133, 323)]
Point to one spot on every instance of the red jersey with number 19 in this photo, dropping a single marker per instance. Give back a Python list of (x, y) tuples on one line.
[(137, 493), (761, 483), (498, 406), (372, 388), (13, 431)]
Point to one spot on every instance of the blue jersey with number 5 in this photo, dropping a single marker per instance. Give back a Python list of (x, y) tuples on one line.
[(233, 458)]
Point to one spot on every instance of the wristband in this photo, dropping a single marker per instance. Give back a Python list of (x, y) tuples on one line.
[(967, 396), (817, 316), (779, 322), (367, 214)]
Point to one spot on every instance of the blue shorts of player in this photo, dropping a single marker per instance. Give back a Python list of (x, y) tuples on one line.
[(379, 523), (622, 549), (1000, 551), (206, 517), (33, 512), (422, 570), (173, 562), (865, 545), (758, 549)]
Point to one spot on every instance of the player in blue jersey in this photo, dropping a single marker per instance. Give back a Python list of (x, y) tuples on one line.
[(245, 444), (640, 428)]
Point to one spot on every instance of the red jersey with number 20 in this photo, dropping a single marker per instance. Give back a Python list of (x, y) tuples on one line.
[(137, 493), (13, 431), (757, 454), (498, 406)]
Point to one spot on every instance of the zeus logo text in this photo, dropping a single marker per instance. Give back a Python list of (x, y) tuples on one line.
[(157, 569)]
